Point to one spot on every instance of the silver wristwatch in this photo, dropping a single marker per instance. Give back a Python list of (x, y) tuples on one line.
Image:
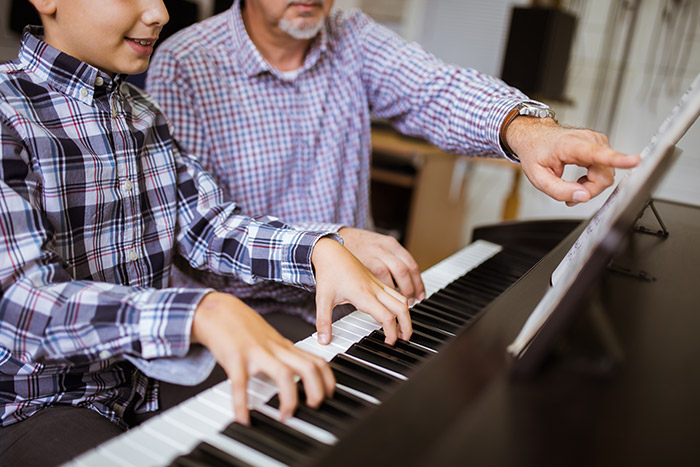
[(526, 108)]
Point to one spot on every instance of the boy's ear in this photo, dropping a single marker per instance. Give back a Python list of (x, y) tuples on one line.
[(44, 7)]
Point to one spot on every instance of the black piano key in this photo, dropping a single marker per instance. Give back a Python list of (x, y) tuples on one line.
[(429, 319), (489, 277), (452, 304), (470, 289), (466, 296), (342, 401), (432, 332), (379, 358), (458, 319), (419, 337), (334, 412), (406, 346), (364, 372), (206, 455), (394, 351), (360, 378), (315, 417), (483, 280), (274, 439)]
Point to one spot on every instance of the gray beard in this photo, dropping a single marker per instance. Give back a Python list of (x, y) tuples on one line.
[(301, 32)]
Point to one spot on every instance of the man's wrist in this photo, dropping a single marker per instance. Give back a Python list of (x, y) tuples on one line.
[(529, 109)]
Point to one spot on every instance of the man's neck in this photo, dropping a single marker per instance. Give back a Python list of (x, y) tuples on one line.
[(283, 52)]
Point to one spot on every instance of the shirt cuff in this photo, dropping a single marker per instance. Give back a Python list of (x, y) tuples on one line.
[(496, 118), (189, 370), (165, 321)]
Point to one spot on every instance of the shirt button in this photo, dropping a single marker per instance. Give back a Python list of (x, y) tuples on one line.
[(104, 354), (114, 112), (133, 256), (99, 81), (128, 185), (83, 92)]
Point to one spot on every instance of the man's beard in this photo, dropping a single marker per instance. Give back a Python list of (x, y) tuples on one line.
[(299, 28)]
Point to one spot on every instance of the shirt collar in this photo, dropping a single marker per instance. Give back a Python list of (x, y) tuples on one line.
[(251, 61), (61, 71)]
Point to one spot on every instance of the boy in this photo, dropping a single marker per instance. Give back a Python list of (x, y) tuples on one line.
[(96, 202)]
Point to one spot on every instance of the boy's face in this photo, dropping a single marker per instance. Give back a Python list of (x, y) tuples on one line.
[(116, 36)]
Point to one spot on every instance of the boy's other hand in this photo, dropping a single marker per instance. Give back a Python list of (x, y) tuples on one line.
[(387, 259), (342, 278), (245, 345)]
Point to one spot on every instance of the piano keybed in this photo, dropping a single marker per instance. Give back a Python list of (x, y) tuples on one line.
[(201, 431)]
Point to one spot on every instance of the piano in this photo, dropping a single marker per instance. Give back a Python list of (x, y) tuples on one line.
[(621, 386)]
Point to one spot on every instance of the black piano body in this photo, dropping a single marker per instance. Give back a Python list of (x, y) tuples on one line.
[(620, 387)]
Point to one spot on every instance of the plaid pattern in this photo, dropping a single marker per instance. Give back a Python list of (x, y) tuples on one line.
[(95, 201), (299, 147)]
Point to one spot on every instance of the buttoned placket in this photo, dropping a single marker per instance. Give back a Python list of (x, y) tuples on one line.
[(125, 158)]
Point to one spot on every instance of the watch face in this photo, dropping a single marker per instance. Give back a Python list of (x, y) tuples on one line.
[(536, 109)]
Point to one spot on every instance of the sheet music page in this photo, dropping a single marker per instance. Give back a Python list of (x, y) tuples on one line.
[(600, 226)]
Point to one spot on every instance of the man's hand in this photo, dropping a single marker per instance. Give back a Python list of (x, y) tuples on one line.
[(387, 259), (245, 345), (545, 148), (341, 278)]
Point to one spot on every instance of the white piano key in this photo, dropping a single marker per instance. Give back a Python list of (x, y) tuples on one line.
[(241, 451), (336, 346), (353, 328), (338, 331), (316, 350), (93, 458), (151, 450), (123, 457), (202, 418), (362, 324)]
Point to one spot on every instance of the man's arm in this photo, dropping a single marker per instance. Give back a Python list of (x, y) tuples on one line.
[(462, 111)]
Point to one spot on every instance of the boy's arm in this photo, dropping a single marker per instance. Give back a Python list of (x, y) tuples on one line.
[(50, 318), (214, 237)]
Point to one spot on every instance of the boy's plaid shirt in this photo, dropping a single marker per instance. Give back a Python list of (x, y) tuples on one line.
[(95, 202)]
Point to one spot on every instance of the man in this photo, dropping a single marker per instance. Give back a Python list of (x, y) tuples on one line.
[(276, 95)]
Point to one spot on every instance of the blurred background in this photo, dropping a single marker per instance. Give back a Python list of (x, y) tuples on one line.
[(615, 66)]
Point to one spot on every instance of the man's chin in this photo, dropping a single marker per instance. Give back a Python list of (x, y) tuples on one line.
[(301, 30)]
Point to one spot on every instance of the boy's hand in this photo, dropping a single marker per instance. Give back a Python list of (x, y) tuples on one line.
[(387, 259), (341, 278), (244, 345)]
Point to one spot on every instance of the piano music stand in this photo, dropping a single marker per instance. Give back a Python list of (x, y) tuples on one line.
[(573, 297)]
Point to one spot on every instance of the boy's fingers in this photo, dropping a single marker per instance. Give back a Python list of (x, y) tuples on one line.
[(239, 378), (324, 317), (309, 368), (283, 376), (399, 307)]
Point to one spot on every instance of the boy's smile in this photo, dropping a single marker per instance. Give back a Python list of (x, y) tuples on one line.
[(116, 36), (143, 47)]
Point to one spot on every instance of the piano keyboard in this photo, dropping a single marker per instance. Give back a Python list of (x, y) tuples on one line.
[(201, 431)]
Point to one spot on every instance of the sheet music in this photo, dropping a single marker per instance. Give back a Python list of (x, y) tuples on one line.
[(599, 228)]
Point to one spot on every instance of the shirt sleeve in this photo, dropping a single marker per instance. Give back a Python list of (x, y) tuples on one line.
[(458, 109), (47, 317), (214, 237)]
